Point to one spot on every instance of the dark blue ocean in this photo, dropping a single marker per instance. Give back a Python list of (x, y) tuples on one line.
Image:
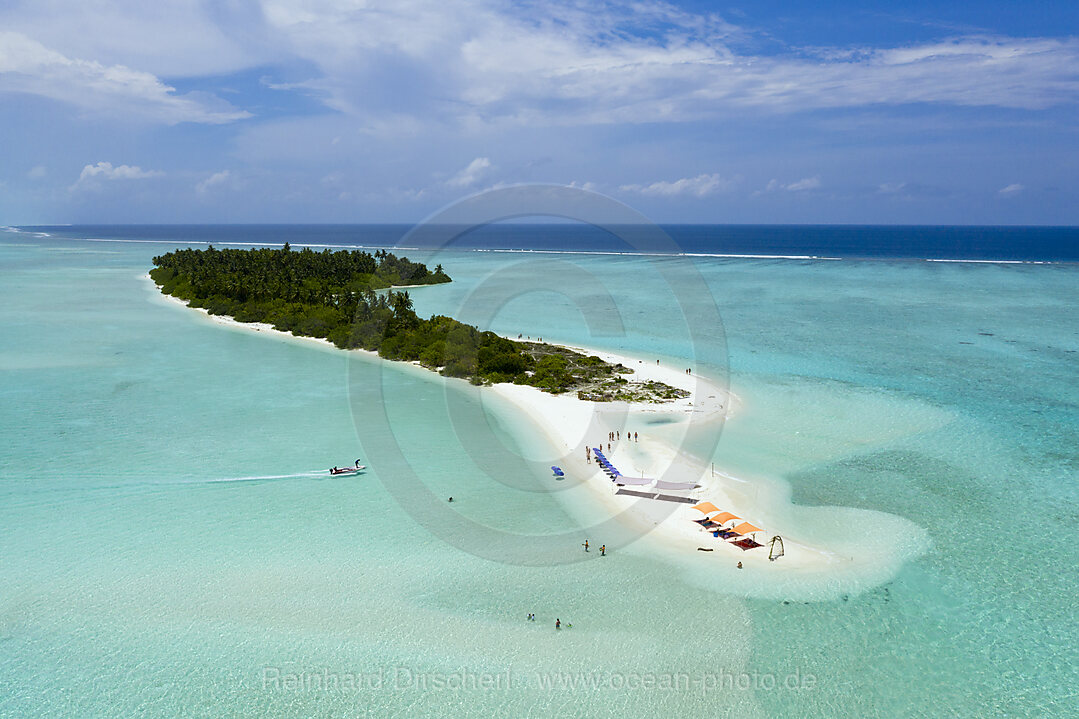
[(1029, 244)]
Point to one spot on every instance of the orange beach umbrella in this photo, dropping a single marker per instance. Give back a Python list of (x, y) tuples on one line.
[(746, 528), (705, 507), (723, 517)]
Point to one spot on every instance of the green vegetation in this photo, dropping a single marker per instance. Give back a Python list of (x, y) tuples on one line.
[(557, 369), (332, 295), (619, 389)]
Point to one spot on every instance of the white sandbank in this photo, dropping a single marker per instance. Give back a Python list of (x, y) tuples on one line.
[(572, 424), (664, 528)]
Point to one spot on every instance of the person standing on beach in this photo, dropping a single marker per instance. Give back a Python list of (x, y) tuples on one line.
[(557, 623), (603, 550), (586, 545), (634, 436)]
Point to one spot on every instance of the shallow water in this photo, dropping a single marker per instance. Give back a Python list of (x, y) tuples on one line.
[(171, 540)]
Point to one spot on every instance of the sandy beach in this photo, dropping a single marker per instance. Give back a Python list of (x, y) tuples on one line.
[(570, 425)]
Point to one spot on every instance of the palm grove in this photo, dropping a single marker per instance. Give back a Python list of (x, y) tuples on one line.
[(333, 295)]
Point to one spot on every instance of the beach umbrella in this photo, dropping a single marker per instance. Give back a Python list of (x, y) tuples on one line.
[(746, 528), (724, 517), (705, 507)]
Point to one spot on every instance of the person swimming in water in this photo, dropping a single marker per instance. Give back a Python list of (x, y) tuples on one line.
[(558, 624)]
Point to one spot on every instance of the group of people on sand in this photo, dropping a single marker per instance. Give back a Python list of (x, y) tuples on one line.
[(602, 548), (611, 437), (688, 370)]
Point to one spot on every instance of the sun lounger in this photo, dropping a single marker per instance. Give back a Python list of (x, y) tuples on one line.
[(674, 498), (660, 484), (640, 481), (635, 493)]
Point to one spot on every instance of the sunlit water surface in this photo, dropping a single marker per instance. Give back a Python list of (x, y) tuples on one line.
[(172, 546)]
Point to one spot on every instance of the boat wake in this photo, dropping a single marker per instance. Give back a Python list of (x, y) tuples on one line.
[(263, 477)]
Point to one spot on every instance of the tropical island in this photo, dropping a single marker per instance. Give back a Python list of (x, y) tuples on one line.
[(601, 425), (338, 296)]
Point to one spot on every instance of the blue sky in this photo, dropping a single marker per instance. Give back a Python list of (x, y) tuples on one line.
[(371, 111)]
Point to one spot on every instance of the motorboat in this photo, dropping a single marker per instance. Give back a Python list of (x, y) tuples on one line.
[(354, 469)]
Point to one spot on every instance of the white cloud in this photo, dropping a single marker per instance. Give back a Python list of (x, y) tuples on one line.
[(92, 174), (560, 63), (699, 186), (215, 179), (178, 38), (27, 66), (806, 183), (891, 188), (471, 174), (106, 171), (1011, 190), (402, 65), (37, 172)]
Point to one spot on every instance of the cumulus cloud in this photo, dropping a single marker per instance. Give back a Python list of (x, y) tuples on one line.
[(556, 63), (107, 171), (400, 65), (180, 38), (471, 174), (699, 186), (217, 178), (806, 183), (1011, 190), (27, 66), (587, 186)]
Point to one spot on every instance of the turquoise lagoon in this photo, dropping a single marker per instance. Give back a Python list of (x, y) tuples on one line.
[(172, 546)]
